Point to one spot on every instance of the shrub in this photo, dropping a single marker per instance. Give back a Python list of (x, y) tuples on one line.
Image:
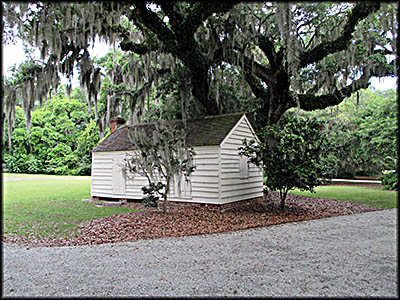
[(150, 198), (12, 164), (295, 153), (390, 181)]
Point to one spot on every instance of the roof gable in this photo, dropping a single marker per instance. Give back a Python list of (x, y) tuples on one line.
[(246, 121), (206, 131)]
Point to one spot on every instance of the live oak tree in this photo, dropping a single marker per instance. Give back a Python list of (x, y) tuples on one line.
[(28, 86), (309, 55), (128, 84)]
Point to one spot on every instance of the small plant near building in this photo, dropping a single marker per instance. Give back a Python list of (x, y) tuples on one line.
[(295, 153), (161, 156)]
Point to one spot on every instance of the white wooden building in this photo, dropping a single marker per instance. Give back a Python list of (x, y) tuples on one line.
[(221, 175)]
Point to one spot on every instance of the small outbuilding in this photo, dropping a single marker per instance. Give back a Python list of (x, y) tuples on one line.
[(221, 175)]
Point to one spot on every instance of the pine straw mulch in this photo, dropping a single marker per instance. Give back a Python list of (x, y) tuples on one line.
[(184, 219)]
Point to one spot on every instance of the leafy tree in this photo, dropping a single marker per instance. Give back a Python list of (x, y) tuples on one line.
[(293, 154), (310, 55), (60, 139), (85, 142), (162, 156), (364, 130)]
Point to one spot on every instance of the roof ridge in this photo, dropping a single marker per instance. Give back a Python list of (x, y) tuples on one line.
[(207, 130), (188, 120), (149, 123), (217, 116)]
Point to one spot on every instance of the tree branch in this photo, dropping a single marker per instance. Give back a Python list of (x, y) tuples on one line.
[(150, 20), (176, 20), (359, 12), (267, 46), (311, 102), (255, 85), (202, 10), (138, 48)]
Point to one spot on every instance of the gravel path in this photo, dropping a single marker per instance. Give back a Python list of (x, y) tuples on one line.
[(351, 255)]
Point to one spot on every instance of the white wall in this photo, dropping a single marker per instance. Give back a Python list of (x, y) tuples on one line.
[(215, 180), (233, 187), (205, 179), (102, 170), (108, 178)]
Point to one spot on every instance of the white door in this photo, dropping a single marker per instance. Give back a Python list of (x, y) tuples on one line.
[(118, 176)]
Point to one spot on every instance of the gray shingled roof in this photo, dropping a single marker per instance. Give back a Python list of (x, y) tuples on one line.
[(205, 131)]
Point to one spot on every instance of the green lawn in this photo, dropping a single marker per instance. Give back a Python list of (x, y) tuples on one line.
[(368, 196), (52, 206), (49, 207)]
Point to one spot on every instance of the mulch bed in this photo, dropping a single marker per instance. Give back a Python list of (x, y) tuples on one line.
[(184, 219)]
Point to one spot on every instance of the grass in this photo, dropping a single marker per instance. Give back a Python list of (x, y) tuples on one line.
[(52, 206), (49, 207), (367, 196), (28, 176)]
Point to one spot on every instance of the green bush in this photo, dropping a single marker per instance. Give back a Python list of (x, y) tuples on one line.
[(61, 140), (295, 153), (364, 131), (390, 181), (12, 164)]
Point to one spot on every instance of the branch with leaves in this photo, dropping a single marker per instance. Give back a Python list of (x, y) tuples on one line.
[(161, 155)]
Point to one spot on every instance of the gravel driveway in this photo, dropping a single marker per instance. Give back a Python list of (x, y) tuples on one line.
[(352, 255)]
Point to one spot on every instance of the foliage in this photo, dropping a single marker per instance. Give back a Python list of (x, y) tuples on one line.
[(60, 140), (390, 181), (161, 155), (85, 142), (364, 130), (295, 153), (150, 198), (282, 55)]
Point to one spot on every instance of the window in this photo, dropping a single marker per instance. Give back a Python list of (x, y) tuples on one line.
[(243, 167)]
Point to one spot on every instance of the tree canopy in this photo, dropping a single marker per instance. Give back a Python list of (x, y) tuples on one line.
[(276, 55), (364, 129), (61, 138)]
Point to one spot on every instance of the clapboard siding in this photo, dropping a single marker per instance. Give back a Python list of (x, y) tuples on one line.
[(102, 166), (239, 197), (236, 185), (232, 187), (102, 174), (102, 182), (134, 184), (216, 178), (101, 179), (205, 178)]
